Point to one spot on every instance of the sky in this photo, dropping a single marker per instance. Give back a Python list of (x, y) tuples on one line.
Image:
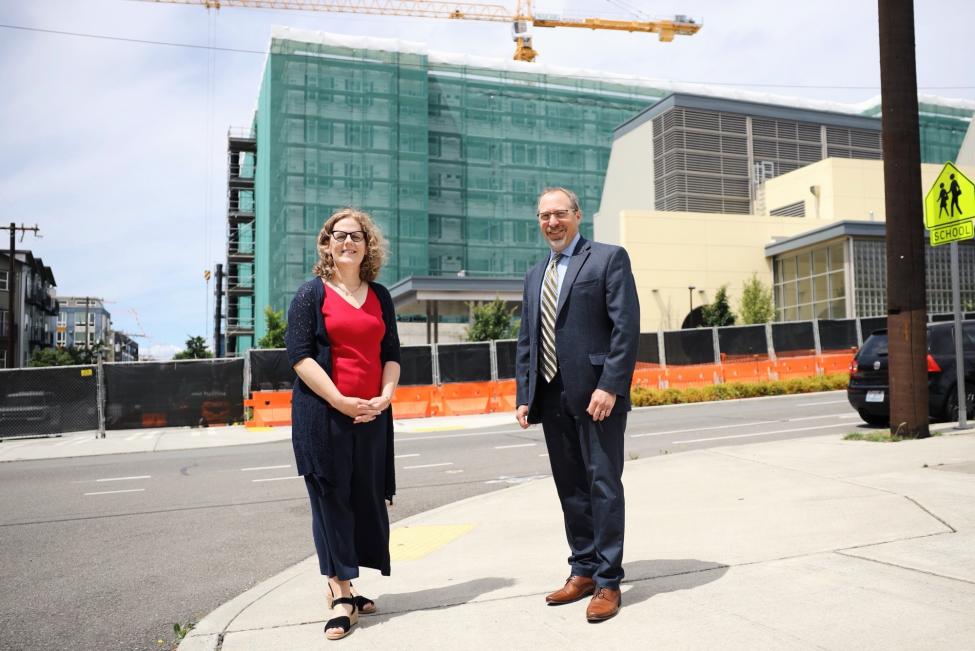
[(116, 147)]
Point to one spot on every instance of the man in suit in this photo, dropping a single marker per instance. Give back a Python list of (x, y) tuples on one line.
[(580, 325)]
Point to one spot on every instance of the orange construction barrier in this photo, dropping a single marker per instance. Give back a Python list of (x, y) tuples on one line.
[(796, 367), (836, 362), (462, 398), (650, 378), (270, 408), (503, 395), (413, 402), (698, 375), (747, 371)]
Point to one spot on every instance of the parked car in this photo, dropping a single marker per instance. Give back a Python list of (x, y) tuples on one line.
[(869, 387)]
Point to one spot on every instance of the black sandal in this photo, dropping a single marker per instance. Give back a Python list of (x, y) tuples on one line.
[(364, 605), (343, 622)]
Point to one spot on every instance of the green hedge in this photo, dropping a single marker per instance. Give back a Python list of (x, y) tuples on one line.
[(644, 397)]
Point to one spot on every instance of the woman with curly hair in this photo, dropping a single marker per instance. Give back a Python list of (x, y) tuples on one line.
[(343, 345)]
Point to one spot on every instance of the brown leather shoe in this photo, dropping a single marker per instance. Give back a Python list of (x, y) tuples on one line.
[(575, 588), (605, 604)]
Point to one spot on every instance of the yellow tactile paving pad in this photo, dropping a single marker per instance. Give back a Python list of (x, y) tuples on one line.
[(413, 543)]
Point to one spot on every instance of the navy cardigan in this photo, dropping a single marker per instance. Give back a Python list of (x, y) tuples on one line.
[(307, 336)]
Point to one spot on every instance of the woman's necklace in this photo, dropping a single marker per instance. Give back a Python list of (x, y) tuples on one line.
[(346, 290)]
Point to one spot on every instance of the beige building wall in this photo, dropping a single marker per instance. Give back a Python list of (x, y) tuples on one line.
[(671, 251), (629, 180)]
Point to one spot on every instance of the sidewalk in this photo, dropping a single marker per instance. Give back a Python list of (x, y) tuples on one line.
[(810, 543), (80, 444)]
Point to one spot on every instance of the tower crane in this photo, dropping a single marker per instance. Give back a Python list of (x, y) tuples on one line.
[(520, 20)]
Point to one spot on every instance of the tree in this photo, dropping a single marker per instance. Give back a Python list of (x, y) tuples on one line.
[(196, 348), (491, 321), (756, 302), (54, 357), (719, 312), (276, 325)]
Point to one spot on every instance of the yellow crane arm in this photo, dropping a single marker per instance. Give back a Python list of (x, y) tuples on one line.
[(522, 16), (666, 28), (415, 8)]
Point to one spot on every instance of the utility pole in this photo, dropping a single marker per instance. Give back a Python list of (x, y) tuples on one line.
[(12, 288), (906, 298), (217, 316)]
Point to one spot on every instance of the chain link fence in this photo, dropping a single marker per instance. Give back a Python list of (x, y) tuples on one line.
[(50, 400)]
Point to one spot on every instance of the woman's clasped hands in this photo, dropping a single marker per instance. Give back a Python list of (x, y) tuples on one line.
[(361, 410)]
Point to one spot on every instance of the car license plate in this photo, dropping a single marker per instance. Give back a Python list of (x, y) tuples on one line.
[(875, 396)]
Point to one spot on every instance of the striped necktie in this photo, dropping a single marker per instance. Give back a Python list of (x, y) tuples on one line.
[(550, 299)]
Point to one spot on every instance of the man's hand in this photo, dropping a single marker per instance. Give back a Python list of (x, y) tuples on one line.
[(522, 415), (601, 404)]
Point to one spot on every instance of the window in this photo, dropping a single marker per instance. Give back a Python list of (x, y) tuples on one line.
[(3, 323), (61, 338), (3, 280), (62, 318)]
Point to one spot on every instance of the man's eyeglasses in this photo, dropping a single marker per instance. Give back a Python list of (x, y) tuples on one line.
[(558, 214), (339, 236)]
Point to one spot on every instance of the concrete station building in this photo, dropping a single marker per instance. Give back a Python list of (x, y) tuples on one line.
[(448, 153)]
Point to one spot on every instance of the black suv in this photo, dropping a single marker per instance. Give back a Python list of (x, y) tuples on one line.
[(869, 392)]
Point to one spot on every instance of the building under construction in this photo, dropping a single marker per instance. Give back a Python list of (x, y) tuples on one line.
[(447, 152)]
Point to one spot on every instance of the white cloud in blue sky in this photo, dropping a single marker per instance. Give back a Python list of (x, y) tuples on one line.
[(106, 144)]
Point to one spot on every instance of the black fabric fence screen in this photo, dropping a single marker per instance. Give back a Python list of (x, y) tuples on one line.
[(174, 394), (836, 335), (464, 362), (48, 400), (506, 358), (649, 349), (742, 342), (270, 370), (416, 365), (793, 338), (685, 347), (872, 323)]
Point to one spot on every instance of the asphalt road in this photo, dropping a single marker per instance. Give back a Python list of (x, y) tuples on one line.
[(108, 552)]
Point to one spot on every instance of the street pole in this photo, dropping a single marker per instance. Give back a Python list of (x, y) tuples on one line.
[(906, 298), (12, 288), (217, 316), (11, 285), (959, 355)]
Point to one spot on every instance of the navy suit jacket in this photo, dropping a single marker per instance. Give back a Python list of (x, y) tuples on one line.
[(597, 329)]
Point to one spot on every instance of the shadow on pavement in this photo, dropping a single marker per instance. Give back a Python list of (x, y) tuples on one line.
[(445, 597), (649, 578)]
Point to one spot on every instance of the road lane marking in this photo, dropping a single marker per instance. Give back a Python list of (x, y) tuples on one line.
[(742, 436), (543, 454), (453, 472), (278, 478), (454, 436), (125, 478), (404, 456), (789, 420), (287, 465), (824, 402), (516, 445), (129, 490), (429, 465), (702, 429)]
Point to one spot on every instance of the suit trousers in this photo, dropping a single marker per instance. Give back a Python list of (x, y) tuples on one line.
[(587, 465)]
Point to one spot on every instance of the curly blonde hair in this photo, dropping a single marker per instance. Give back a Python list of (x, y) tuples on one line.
[(372, 262)]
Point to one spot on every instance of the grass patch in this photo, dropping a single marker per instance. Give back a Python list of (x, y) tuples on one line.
[(879, 436), (644, 397)]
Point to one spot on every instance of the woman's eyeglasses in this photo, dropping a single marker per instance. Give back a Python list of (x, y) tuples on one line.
[(339, 236)]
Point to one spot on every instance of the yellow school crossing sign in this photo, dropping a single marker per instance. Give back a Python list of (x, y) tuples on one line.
[(949, 207)]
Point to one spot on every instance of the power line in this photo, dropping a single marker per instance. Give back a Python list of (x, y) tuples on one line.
[(215, 48)]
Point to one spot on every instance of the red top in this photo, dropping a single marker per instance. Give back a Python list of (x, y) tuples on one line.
[(355, 335)]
